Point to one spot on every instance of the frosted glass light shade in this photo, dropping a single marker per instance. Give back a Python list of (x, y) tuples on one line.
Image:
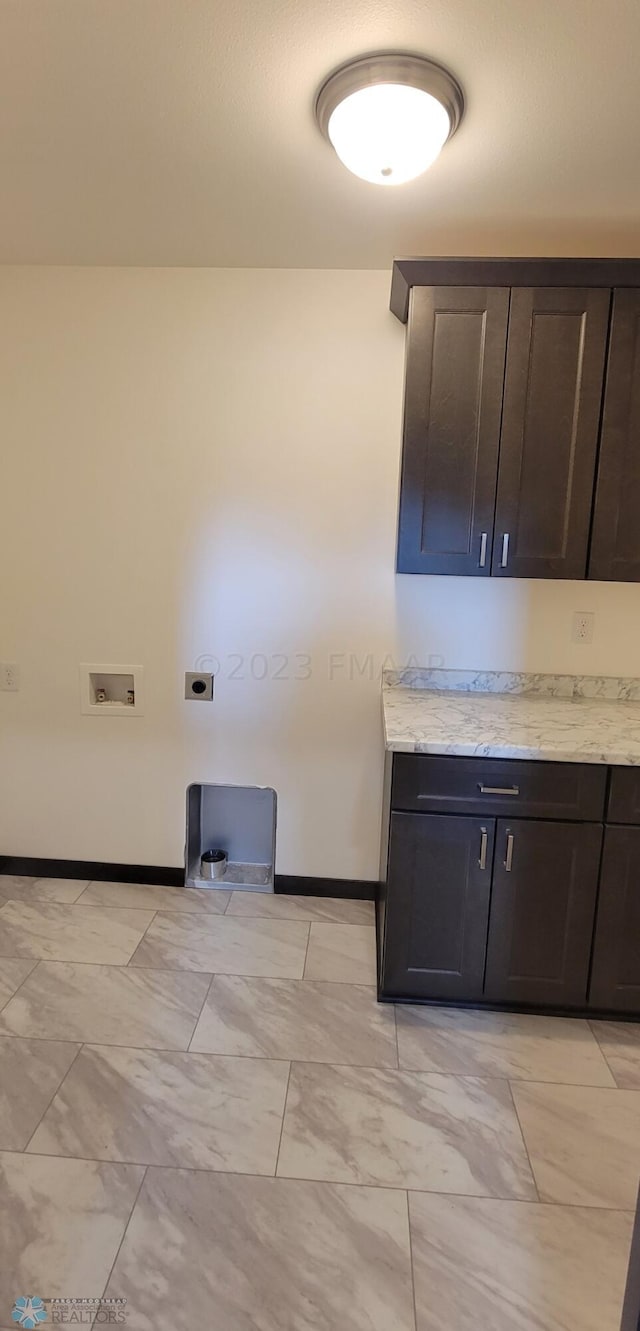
[(388, 116), (389, 133)]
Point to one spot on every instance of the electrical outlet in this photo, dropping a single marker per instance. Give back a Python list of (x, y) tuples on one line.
[(9, 677), (582, 626)]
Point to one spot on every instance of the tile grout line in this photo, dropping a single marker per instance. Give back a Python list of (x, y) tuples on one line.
[(282, 1058), (284, 1111), (519, 1081), (335, 1183), (24, 981), (124, 1232), (84, 889), (248, 975), (93, 905), (97, 1043), (47, 1107), (142, 938), (617, 1085), (524, 1141), (411, 1265), (306, 951), (197, 1020)]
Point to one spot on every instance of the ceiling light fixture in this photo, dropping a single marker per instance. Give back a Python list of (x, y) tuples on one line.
[(389, 115)]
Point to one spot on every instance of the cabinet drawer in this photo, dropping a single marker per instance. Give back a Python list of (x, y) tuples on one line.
[(495, 786), (624, 796)]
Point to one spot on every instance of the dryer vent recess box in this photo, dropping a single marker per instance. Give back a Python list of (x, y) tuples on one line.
[(111, 690)]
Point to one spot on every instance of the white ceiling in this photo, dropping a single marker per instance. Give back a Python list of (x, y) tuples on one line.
[(181, 132)]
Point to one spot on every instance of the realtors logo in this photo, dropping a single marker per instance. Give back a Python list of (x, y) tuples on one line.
[(31, 1311)]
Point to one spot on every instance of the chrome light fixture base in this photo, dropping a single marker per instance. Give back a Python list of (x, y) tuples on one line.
[(415, 71)]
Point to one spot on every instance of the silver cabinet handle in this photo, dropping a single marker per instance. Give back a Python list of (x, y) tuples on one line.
[(508, 859), (498, 790), (505, 550), (484, 842), (483, 549)]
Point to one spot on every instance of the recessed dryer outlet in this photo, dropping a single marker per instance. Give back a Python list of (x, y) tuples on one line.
[(111, 690), (239, 820)]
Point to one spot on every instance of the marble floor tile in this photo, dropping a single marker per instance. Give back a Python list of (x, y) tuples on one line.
[(516, 1266), (405, 1130), (55, 932), (190, 1110), (146, 896), (106, 1005), (30, 1074), (583, 1142), (61, 1223), (274, 948), (342, 952), (270, 1255), (17, 888), (620, 1044), (500, 1044), (301, 1019), (12, 973), (285, 906)]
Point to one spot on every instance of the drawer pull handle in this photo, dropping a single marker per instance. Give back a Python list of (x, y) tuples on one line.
[(483, 549), (484, 842), (505, 550), (508, 859), (498, 790)]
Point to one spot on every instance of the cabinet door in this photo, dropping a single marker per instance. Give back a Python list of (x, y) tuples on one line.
[(615, 542), (545, 881), (615, 973), (550, 421), (453, 401), (439, 879)]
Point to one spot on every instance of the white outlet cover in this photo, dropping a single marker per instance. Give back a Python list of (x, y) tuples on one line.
[(582, 626), (120, 677), (9, 676)]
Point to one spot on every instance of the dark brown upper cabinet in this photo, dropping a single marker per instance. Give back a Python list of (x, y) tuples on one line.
[(615, 544), (521, 457), (549, 439), (453, 403)]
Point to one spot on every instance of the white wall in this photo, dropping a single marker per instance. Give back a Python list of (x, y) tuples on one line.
[(205, 462)]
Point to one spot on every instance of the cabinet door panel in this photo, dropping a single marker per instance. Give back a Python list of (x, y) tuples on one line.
[(624, 796), (615, 973), (439, 879), (615, 542), (542, 912), (453, 402), (550, 420)]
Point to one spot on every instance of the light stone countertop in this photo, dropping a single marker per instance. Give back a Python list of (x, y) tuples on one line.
[(548, 717)]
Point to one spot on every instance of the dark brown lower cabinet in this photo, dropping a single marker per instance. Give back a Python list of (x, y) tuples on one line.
[(533, 911), (615, 973), (545, 883), (438, 888)]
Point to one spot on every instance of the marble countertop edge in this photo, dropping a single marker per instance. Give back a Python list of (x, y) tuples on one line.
[(534, 726)]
